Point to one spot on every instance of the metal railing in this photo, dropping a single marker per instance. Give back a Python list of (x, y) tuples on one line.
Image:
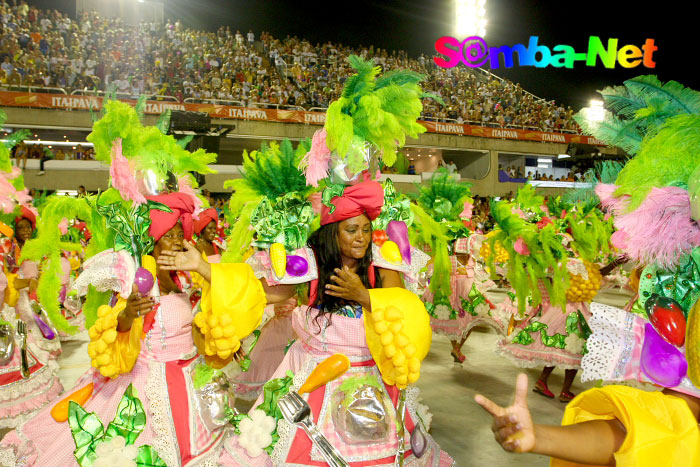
[(123, 95), (30, 88), (197, 100)]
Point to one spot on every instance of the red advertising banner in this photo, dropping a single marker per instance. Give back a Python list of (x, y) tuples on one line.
[(70, 102)]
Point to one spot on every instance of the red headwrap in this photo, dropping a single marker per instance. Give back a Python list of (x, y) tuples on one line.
[(205, 217), (182, 207), (26, 213), (363, 198)]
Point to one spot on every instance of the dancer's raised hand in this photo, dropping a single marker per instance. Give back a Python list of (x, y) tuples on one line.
[(512, 426)]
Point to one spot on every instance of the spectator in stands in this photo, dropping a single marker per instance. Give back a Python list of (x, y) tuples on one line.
[(451, 167), (46, 155), (81, 191)]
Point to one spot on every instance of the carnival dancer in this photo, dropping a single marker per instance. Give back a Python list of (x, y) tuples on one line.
[(555, 331), (143, 337), (206, 230), (348, 289), (357, 304), (23, 278), (657, 342)]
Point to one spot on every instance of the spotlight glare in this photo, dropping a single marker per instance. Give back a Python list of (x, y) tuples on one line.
[(470, 18)]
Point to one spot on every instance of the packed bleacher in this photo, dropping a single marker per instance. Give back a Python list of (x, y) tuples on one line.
[(46, 51)]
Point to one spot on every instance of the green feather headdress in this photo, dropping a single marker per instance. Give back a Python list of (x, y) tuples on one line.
[(655, 122), (381, 110), (443, 199), (270, 174)]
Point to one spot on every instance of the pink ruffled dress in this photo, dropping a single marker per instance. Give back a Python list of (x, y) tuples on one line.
[(19, 397), (162, 377), (317, 340), (550, 337), (275, 337), (29, 270)]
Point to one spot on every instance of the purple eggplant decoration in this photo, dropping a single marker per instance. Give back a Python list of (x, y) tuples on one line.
[(418, 441), (45, 329), (398, 233), (143, 280), (297, 266), (661, 362)]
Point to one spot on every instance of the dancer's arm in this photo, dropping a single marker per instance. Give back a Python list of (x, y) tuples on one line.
[(593, 442), (191, 260)]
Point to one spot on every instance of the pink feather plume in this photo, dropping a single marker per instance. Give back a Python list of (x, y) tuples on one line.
[(123, 178), (316, 162), (659, 231), (10, 197), (63, 226)]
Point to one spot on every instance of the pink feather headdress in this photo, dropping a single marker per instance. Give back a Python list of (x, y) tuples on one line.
[(659, 231), (122, 176), (316, 162)]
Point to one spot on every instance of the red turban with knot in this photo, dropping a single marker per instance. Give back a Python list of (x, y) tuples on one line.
[(26, 213), (363, 198), (205, 217), (182, 207)]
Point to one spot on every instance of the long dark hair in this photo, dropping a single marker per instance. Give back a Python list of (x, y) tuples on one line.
[(324, 243)]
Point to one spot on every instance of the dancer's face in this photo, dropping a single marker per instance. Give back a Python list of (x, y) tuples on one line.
[(172, 240), (209, 232), (354, 236), (24, 230)]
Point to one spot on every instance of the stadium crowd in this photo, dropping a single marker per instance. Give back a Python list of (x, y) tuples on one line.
[(48, 49)]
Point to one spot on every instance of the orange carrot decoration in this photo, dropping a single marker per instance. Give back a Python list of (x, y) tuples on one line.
[(326, 371), (81, 396)]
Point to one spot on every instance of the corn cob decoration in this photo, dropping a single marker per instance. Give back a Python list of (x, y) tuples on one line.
[(102, 335), (692, 344), (400, 364), (278, 258), (220, 338), (502, 255), (581, 290)]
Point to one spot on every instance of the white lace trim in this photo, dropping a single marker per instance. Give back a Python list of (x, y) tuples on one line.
[(40, 378), (7, 457), (611, 344), (410, 272), (161, 421), (108, 270)]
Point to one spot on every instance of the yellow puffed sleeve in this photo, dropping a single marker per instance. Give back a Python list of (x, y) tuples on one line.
[(11, 293), (398, 334), (661, 429), (113, 352), (232, 308)]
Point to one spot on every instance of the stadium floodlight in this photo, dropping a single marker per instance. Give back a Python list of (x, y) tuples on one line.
[(596, 111), (470, 18), (563, 156)]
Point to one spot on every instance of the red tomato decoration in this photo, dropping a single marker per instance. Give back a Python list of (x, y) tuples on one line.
[(545, 220), (667, 317), (379, 237)]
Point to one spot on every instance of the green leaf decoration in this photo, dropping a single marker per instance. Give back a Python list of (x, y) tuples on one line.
[(87, 431), (331, 192), (148, 457), (130, 419), (273, 391), (287, 223), (397, 207)]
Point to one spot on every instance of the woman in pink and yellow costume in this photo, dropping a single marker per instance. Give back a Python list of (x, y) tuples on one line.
[(655, 207)]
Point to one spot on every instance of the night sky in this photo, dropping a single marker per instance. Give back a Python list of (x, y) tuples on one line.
[(415, 25)]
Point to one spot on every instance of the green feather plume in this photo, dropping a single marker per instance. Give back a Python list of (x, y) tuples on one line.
[(427, 231), (46, 249), (146, 146), (381, 110)]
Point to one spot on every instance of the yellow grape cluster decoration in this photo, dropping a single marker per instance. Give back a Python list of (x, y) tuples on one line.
[(502, 255), (102, 335), (220, 337), (581, 290), (400, 364)]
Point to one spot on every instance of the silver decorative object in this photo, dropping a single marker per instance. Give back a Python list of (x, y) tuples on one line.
[(362, 420), (296, 411), (24, 360), (7, 343), (213, 400)]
